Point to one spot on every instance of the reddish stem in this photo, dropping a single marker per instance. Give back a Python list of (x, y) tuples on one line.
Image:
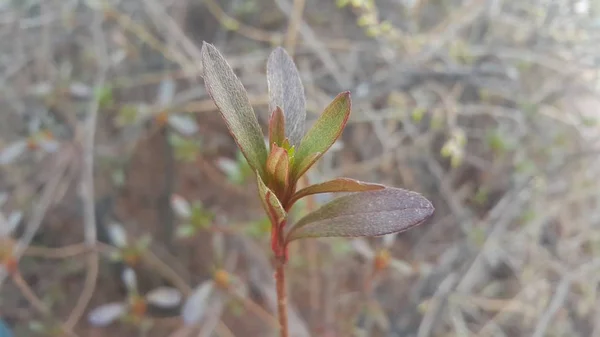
[(281, 297)]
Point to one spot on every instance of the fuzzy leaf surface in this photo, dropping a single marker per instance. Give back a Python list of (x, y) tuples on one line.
[(323, 133), (287, 92), (371, 213), (336, 185), (231, 99)]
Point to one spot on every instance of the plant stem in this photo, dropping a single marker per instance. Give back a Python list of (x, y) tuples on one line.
[(281, 298)]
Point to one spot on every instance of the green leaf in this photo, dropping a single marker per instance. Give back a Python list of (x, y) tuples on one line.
[(276, 127), (371, 213), (231, 99), (323, 133), (278, 170), (336, 185), (286, 91), (271, 204)]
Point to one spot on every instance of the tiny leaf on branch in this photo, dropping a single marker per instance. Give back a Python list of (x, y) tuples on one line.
[(372, 213), (270, 203), (231, 99), (287, 92), (278, 170), (276, 127), (323, 133)]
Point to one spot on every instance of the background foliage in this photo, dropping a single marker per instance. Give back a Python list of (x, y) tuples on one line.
[(486, 107)]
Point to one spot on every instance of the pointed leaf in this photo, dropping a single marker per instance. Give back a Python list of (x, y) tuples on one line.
[(286, 91), (180, 206), (164, 297), (166, 91), (8, 226), (371, 213), (363, 248), (336, 185), (323, 133), (106, 314), (184, 124), (130, 280), (195, 307), (117, 235), (278, 170), (276, 127), (11, 152), (271, 204), (231, 99)]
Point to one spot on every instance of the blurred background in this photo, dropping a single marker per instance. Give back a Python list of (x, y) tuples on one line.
[(114, 163)]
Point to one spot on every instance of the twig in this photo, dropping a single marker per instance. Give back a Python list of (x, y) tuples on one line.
[(427, 324), (248, 31), (256, 309), (295, 20), (59, 253), (281, 299), (87, 179), (167, 272), (35, 301), (561, 294), (223, 330)]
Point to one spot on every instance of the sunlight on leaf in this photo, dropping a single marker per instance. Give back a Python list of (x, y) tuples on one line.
[(287, 92), (371, 213), (231, 99)]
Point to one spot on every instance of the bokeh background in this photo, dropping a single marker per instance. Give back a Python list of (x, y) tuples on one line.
[(489, 108)]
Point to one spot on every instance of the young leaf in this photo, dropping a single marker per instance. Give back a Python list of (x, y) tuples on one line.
[(276, 127), (105, 314), (323, 133), (164, 297), (180, 206), (371, 213), (286, 91), (272, 206), (278, 169), (231, 99), (336, 185), (197, 304), (117, 235)]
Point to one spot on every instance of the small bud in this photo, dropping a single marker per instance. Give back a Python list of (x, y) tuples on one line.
[(382, 260), (222, 278)]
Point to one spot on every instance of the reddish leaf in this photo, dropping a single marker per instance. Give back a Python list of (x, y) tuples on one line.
[(323, 133), (271, 204), (336, 185), (371, 213), (286, 91), (276, 127), (278, 169), (231, 99)]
